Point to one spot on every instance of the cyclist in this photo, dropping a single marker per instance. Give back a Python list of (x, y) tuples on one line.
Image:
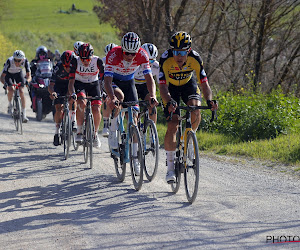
[(13, 71), (76, 46), (83, 80), (121, 64), (177, 80), (139, 78), (59, 87), (105, 111)]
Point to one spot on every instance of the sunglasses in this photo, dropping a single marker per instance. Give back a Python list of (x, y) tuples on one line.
[(129, 54), (16, 60), (180, 52), (85, 59)]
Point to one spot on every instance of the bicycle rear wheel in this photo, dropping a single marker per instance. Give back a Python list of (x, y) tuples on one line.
[(120, 167), (191, 171), (66, 134), (151, 150), (137, 177)]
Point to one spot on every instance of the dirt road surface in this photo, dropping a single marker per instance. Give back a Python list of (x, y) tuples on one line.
[(50, 203)]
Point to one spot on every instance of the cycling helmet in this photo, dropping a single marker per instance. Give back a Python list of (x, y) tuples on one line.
[(108, 47), (85, 51), (181, 40), (66, 57), (151, 50), (76, 46), (131, 42), (41, 52), (19, 54)]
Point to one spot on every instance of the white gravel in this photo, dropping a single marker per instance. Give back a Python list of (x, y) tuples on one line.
[(49, 203)]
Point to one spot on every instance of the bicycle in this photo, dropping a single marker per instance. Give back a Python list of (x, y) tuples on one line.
[(66, 133), (88, 130), (16, 107), (187, 154), (124, 153), (150, 141)]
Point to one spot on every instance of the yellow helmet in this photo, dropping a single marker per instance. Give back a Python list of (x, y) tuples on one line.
[(181, 40)]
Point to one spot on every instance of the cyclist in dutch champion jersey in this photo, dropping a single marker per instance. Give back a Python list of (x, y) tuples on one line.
[(121, 64), (13, 71), (140, 82), (83, 81), (178, 67)]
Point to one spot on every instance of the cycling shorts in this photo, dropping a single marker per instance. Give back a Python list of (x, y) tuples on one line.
[(129, 90), (88, 89), (61, 88), (186, 92), (18, 77), (142, 90)]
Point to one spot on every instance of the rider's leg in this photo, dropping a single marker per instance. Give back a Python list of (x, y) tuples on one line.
[(195, 115), (80, 114), (10, 93), (58, 116), (96, 110)]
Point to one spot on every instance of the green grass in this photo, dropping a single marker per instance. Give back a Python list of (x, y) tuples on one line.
[(28, 24)]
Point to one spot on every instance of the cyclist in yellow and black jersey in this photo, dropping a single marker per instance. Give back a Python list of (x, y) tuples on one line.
[(178, 67)]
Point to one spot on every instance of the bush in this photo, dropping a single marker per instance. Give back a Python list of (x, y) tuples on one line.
[(252, 116)]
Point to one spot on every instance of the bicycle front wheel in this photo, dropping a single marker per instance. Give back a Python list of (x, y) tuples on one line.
[(191, 171), (151, 144), (17, 114), (136, 157), (88, 140), (66, 134)]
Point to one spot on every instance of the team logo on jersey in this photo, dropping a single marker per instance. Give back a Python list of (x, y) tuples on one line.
[(180, 76), (111, 57)]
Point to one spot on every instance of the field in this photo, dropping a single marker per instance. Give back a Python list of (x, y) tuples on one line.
[(28, 24)]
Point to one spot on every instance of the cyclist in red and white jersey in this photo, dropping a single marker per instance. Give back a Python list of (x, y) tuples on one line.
[(140, 82), (121, 64), (83, 81), (13, 71)]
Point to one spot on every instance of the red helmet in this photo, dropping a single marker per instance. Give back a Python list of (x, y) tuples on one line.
[(67, 57), (85, 51)]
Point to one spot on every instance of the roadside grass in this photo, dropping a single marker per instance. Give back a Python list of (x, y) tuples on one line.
[(29, 24)]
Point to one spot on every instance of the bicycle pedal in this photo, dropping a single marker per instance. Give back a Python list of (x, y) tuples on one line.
[(171, 182)]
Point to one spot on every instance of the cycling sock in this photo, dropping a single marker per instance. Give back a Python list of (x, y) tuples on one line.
[(134, 149), (170, 155), (24, 112), (57, 126), (114, 124), (79, 129), (105, 122), (9, 104), (73, 115)]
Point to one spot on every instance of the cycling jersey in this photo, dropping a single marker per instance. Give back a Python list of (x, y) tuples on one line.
[(86, 74), (60, 74), (171, 73), (10, 67), (139, 75), (122, 70)]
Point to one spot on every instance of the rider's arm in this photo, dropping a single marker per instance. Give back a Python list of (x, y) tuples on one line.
[(150, 85), (72, 73), (108, 87), (3, 77)]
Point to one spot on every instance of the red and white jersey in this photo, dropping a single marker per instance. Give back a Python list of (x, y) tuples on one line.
[(86, 74), (120, 69)]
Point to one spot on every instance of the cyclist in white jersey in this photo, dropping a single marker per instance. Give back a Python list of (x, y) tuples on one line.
[(140, 82), (13, 71), (84, 81), (105, 111)]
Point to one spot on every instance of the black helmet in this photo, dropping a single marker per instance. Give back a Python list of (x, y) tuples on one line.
[(41, 51), (181, 40)]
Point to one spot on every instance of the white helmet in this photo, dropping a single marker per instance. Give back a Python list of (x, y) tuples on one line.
[(19, 54), (108, 47), (151, 50), (76, 46), (131, 42)]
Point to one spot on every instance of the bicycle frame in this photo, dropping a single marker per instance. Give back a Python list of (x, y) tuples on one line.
[(125, 158)]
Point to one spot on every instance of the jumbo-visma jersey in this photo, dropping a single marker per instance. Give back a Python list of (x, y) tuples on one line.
[(171, 73)]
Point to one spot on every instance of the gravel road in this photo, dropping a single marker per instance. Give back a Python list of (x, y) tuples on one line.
[(49, 203)]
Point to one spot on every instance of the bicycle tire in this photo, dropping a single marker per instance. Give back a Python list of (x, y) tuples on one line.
[(151, 150), (39, 109), (178, 164), (120, 165), (84, 143), (137, 179), (88, 141), (91, 138), (17, 114), (191, 170), (75, 144), (66, 134)]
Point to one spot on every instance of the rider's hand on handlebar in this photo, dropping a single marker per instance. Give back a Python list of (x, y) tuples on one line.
[(171, 106), (113, 103), (212, 104), (53, 96), (74, 96)]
